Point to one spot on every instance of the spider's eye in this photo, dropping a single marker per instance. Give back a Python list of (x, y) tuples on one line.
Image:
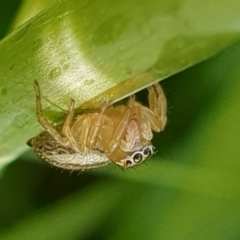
[(137, 157), (147, 151), (128, 163)]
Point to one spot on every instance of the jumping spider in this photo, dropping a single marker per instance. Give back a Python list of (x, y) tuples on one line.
[(121, 134)]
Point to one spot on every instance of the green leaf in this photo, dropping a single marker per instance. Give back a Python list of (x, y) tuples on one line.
[(96, 50), (188, 190)]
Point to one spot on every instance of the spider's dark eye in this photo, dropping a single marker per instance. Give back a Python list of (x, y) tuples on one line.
[(128, 163), (147, 151), (137, 157)]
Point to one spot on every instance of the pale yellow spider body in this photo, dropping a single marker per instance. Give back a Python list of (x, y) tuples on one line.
[(121, 134)]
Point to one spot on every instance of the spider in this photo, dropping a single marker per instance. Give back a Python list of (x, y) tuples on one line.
[(120, 134)]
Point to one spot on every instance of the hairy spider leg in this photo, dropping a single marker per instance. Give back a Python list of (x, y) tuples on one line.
[(117, 134), (66, 128), (158, 102), (86, 125), (95, 129), (156, 115), (68, 120), (49, 128)]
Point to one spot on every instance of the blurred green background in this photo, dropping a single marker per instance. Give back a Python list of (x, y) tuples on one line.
[(189, 190)]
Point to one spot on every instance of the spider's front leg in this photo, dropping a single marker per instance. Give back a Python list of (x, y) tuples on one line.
[(118, 132), (87, 128), (49, 128), (95, 128), (64, 136), (157, 113), (158, 103), (66, 127)]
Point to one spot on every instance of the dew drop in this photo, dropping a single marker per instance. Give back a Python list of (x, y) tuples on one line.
[(55, 73), (88, 81), (66, 66), (37, 43)]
